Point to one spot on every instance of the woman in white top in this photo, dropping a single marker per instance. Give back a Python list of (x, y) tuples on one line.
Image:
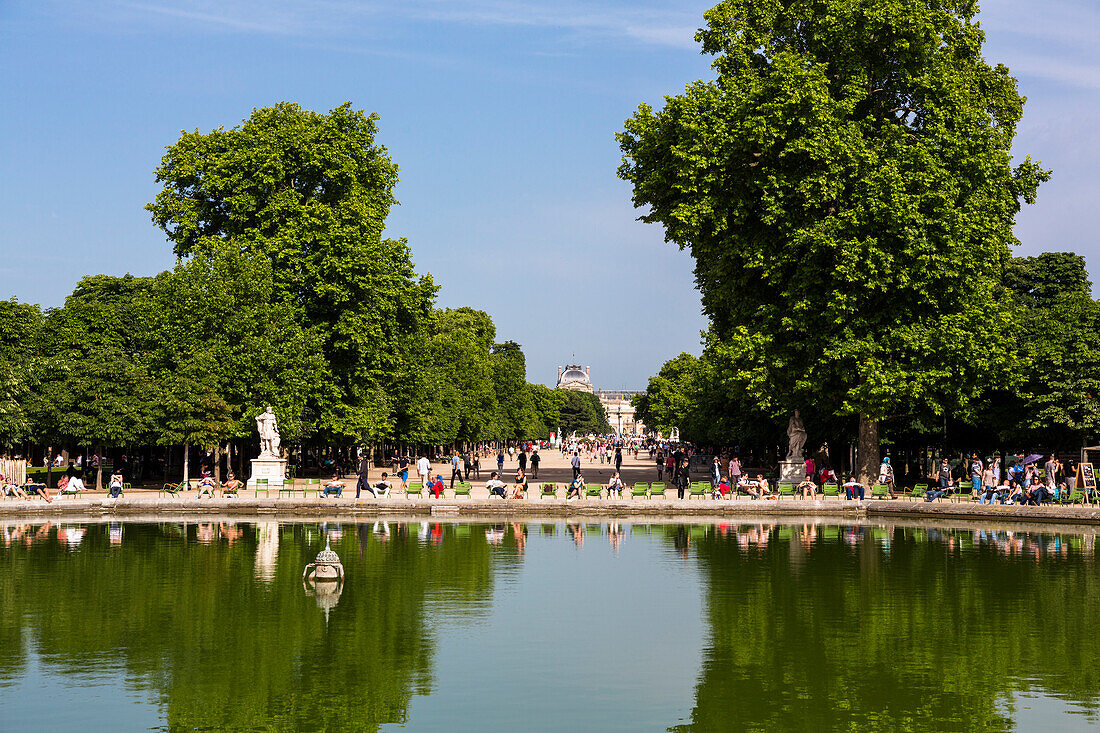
[(615, 485)]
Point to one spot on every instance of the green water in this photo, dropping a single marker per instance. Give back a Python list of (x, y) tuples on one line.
[(762, 627)]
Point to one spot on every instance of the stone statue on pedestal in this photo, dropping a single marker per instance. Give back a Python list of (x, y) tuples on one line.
[(796, 435), (269, 434)]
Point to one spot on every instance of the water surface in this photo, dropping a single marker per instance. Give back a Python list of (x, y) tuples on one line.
[(545, 626)]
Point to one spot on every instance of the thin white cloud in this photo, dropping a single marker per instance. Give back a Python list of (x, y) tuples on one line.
[(256, 24), (314, 19), (1057, 24), (1069, 72)]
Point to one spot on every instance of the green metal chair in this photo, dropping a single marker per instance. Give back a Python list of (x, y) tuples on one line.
[(918, 492), (1074, 497), (962, 494), (171, 489), (463, 489), (287, 488), (831, 488), (698, 488), (657, 489), (784, 488), (550, 490), (258, 485), (639, 489), (595, 490), (415, 487), (880, 491), (313, 486)]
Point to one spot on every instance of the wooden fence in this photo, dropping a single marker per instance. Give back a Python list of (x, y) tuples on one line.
[(14, 471)]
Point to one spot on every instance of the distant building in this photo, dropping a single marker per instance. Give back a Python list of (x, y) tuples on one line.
[(620, 411), (616, 403), (575, 378)]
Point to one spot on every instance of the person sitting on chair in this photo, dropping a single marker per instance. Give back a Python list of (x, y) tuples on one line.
[(853, 488), (115, 484), (575, 488), (382, 487), (436, 489), (722, 488), (519, 485), (232, 485), (615, 485), (808, 488), (206, 486), (495, 486), (333, 486), (763, 488)]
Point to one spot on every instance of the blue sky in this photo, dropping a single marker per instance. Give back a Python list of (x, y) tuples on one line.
[(501, 116)]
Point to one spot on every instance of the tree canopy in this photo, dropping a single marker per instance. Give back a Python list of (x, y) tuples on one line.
[(846, 187)]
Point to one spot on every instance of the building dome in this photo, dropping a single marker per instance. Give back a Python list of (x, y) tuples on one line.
[(574, 377)]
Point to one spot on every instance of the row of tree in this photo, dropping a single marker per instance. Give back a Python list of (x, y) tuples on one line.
[(1049, 402), (846, 186), (285, 294)]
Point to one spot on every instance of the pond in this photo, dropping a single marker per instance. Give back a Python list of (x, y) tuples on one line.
[(548, 626)]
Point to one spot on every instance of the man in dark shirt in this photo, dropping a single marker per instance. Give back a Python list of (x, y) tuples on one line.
[(364, 480), (535, 464)]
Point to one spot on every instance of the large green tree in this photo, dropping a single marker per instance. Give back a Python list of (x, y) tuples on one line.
[(846, 187), (1057, 406), (310, 193), (20, 324)]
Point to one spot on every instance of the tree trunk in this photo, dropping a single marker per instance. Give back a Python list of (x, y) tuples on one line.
[(867, 450), (186, 462), (217, 464)]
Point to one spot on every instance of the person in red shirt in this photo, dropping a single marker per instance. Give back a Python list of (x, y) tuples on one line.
[(436, 488)]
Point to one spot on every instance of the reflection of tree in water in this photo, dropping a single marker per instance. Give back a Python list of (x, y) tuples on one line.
[(873, 628), (191, 621)]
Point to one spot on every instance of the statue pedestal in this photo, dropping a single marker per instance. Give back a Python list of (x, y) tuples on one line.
[(268, 467), (792, 471)]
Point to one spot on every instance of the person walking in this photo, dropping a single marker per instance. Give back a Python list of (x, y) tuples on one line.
[(535, 464), (618, 459), (456, 469), (403, 468), (522, 458), (682, 479), (364, 478), (715, 472), (575, 461), (424, 468), (500, 462), (660, 466)]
